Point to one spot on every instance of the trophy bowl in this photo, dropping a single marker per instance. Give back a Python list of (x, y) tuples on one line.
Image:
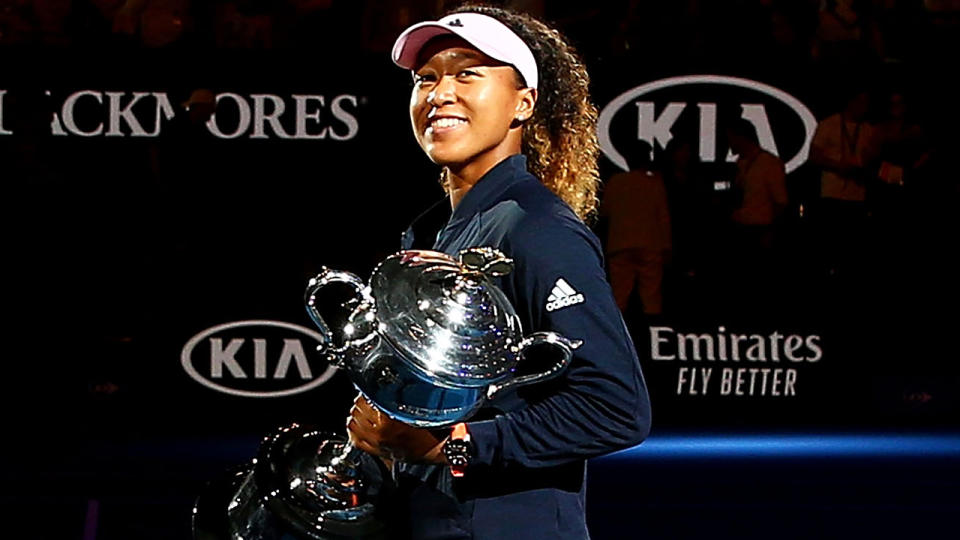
[(432, 338)]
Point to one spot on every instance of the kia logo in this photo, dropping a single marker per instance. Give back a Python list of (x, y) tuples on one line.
[(257, 358), (656, 111)]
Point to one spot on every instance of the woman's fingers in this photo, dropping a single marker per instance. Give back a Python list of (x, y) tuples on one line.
[(364, 438), (364, 417), (366, 447), (363, 405)]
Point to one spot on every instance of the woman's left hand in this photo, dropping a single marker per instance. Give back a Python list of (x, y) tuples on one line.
[(376, 433)]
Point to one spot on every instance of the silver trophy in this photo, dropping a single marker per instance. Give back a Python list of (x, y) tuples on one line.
[(428, 341)]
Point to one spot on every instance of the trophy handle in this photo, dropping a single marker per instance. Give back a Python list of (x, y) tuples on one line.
[(566, 347), (324, 278)]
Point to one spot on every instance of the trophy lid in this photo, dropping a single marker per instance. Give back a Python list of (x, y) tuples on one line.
[(447, 316)]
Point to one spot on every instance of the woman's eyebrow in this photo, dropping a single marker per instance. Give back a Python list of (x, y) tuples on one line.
[(474, 58)]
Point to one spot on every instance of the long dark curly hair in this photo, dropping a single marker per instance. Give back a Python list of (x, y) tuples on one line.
[(560, 139)]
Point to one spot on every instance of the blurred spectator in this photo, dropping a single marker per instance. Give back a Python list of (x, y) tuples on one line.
[(844, 146), (689, 200), (838, 24), (383, 21), (792, 27), (51, 17), (110, 9), (628, 41), (748, 269), (898, 23), (943, 8), (164, 22), (761, 183), (89, 22), (244, 24), (126, 16), (903, 150), (844, 31), (638, 240), (15, 24), (901, 140)]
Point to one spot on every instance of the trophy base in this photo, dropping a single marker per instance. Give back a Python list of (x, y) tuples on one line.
[(285, 495)]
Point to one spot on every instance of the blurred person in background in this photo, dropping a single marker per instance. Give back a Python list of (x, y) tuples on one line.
[(165, 22), (761, 184), (51, 17), (845, 147), (902, 140), (244, 24), (905, 148), (638, 242), (845, 33), (150, 23), (688, 194), (760, 190), (383, 20), (16, 24)]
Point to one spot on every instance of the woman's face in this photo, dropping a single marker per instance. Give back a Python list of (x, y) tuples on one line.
[(465, 106)]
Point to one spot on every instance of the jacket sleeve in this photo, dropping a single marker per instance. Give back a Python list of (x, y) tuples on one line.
[(600, 405)]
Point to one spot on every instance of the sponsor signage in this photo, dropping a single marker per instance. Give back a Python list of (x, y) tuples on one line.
[(563, 295), (731, 364), (96, 113), (692, 107), (257, 359)]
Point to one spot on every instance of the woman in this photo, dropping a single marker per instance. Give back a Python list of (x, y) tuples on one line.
[(500, 102)]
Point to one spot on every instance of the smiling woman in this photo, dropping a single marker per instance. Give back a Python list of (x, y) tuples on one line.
[(500, 103), (467, 110), (559, 138)]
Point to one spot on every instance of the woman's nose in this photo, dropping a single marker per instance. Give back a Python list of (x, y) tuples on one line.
[(443, 93)]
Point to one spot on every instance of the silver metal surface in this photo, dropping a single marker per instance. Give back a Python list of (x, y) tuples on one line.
[(452, 322), (429, 341), (323, 279), (304, 485), (432, 336)]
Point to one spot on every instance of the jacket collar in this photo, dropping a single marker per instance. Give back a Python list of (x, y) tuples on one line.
[(487, 191), (483, 195)]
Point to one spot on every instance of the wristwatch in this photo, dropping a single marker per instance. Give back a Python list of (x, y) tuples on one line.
[(459, 450)]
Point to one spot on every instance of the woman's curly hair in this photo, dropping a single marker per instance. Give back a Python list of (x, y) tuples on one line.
[(560, 139)]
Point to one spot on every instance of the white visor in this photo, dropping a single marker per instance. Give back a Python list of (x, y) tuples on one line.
[(487, 34)]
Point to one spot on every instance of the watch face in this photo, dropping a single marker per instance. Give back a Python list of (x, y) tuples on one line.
[(457, 452)]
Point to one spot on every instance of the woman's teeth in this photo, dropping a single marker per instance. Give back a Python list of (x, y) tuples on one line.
[(447, 122)]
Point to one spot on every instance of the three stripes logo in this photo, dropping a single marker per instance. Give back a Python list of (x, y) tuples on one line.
[(563, 295)]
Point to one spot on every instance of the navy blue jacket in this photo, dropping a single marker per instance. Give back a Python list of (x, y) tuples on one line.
[(529, 475)]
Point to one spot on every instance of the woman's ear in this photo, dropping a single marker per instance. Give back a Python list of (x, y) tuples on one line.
[(528, 100)]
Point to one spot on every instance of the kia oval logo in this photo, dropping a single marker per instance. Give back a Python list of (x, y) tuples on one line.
[(257, 358), (690, 106)]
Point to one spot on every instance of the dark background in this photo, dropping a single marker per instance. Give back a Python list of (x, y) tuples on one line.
[(120, 249)]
